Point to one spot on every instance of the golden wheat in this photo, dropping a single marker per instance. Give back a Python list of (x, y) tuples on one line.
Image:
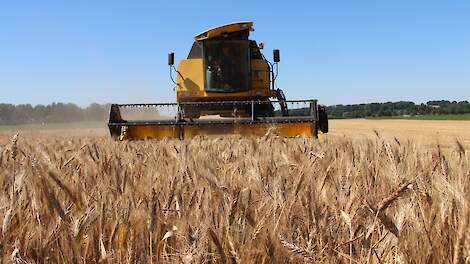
[(232, 200)]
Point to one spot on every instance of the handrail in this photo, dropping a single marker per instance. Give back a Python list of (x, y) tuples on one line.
[(215, 103)]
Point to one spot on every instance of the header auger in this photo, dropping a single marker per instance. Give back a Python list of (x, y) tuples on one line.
[(225, 86)]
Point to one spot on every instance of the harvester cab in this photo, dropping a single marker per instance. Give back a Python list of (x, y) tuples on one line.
[(224, 86)]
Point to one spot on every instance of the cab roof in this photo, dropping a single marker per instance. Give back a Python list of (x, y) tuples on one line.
[(225, 29)]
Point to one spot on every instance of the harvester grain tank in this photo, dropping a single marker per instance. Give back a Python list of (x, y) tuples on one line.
[(224, 86)]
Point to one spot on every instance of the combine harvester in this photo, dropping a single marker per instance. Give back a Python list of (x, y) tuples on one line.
[(225, 86)]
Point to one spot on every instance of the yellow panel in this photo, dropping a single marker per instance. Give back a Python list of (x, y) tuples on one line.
[(259, 76), (148, 132), (258, 130), (283, 130), (190, 79), (224, 29)]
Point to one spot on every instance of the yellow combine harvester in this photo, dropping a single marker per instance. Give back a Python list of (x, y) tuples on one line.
[(225, 86)]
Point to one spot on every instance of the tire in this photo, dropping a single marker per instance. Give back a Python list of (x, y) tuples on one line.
[(191, 112), (323, 119)]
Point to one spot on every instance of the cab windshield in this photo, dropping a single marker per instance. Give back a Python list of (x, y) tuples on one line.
[(226, 65)]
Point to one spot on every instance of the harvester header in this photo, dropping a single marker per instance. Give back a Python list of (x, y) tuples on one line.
[(224, 86)]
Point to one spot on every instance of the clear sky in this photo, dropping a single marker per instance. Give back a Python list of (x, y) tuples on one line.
[(336, 51)]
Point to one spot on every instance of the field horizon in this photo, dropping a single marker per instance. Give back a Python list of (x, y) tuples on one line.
[(427, 132)]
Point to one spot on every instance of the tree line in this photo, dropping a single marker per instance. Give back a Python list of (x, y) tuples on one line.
[(402, 108), (68, 112), (53, 113)]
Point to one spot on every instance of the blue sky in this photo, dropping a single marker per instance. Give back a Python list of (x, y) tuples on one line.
[(336, 51)]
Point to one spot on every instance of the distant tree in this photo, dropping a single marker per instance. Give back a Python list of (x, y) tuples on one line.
[(53, 113), (400, 108), (60, 112)]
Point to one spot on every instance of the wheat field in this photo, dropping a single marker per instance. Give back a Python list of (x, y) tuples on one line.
[(427, 133), (376, 199)]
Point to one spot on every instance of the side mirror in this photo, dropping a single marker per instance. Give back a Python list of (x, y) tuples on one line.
[(171, 59), (276, 55)]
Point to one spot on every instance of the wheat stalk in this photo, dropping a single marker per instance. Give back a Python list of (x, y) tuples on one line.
[(7, 222), (296, 250), (218, 245)]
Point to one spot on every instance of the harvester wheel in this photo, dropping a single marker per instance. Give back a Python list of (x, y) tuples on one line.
[(191, 112), (282, 102), (265, 109), (323, 119)]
